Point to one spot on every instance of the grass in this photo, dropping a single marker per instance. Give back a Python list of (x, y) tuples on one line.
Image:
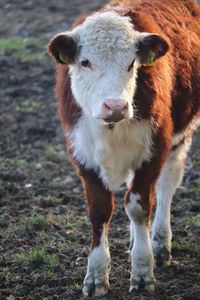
[(36, 258), (25, 49), (179, 247), (32, 225), (194, 222), (28, 107), (76, 222), (189, 248), (7, 164), (50, 275), (48, 201), (54, 153), (77, 286), (13, 44)]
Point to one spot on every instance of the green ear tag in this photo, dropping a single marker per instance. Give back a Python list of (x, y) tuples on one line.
[(63, 57), (150, 59)]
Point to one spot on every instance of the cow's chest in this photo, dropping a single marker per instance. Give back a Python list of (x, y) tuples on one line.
[(111, 152)]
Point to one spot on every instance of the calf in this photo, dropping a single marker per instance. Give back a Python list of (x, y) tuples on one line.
[(128, 93)]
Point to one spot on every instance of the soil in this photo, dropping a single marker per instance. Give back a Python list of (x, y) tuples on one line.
[(44, 229)]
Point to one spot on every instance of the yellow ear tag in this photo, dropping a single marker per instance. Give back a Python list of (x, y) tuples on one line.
[(150, 60), (63, 57)]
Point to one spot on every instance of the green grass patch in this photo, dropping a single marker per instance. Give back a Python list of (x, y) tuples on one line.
[(8, 164), (37, 258), (74, 222), (191, 249), (54, 153), (25, 49), (32, 225), (49, 274), (13, 44), (194, 222), (197, 182), (48, 201), (179, 247), (28, 107)]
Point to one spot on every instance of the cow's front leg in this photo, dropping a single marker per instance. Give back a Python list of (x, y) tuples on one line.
[(142, 260), (100, 205), (139, 203)]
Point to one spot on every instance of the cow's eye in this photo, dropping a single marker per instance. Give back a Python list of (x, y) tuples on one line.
[(131, 65), (86, 64)]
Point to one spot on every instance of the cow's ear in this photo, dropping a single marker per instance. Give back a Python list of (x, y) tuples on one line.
[(63, 48), (151, 47)]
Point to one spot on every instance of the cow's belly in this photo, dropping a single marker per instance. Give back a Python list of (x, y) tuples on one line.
[(113, 153)]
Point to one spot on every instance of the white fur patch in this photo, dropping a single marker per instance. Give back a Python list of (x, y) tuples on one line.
[(98, 265), (111, 152), (133, 208), (141, 254), (100, 256), (141, 251), (170, 178)]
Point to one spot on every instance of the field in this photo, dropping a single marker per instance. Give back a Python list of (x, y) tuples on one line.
[(44, 228)]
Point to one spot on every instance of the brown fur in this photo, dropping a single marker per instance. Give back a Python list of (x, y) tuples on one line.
[(68, 109)]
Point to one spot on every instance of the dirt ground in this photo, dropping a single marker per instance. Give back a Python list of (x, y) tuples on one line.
[(44, 229)]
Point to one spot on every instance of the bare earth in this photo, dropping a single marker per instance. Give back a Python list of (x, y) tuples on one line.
[(44, 229)]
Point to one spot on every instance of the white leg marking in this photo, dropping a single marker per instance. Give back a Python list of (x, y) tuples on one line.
[(131, 235), (142, 261), (98, 269), (169, 180)]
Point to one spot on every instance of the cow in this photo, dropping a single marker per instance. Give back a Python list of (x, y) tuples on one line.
[(128, 95)]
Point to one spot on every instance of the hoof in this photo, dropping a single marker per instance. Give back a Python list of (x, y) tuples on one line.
[(163, 257), (148, 285), (88, 290), (99, 290), (133, 287)]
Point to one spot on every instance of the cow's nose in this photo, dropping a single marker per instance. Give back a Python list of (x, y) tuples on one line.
[(115, 110)]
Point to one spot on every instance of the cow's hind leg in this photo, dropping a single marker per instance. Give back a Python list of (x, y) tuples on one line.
[(169, 180), (100, 205)]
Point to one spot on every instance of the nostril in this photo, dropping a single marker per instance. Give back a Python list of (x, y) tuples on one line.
[(106, 105)]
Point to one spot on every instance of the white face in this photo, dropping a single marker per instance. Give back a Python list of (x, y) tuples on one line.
[(106, 64), (104, 54)]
